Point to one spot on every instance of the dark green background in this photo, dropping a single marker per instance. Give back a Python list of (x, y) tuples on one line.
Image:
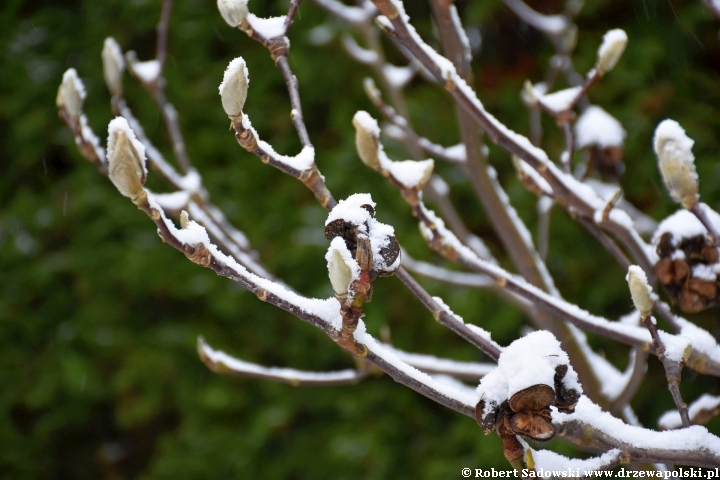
[(98, 319)]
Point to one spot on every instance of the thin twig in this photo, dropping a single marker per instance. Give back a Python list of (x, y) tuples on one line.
[(672, 369), (451, 321)]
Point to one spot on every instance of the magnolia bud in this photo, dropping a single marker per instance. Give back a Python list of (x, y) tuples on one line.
[(71, 94), (126, 159), (233, 11), (113, 65), (233, 89), (367, 133), (677, 162), (640, 290), (612, 48), (342, 268)]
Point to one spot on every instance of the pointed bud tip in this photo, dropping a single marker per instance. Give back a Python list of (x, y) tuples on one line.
[(676, 162), (367, 133), (342, 268), (71, 93), (126, 159), (640, 290), (113, 65), (234, 87), (611, 49), (233, 11)]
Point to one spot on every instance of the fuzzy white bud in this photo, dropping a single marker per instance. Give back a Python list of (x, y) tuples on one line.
[(640, 290), (234, 87), (342, 268), (677, 162), (233, 11), (71, 94), (113, 65), (367, 135), (126, 159), (611, 49)]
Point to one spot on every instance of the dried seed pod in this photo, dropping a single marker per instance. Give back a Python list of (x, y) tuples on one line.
[(532, 425), (565, 398), (389, 253), (671, 271), (533, 398)]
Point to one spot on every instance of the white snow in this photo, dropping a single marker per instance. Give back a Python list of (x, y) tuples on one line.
[(431, 363), (457, 24), (548, 24), (459, 395), (596, 127), (398, 76), (559, 101), (692, 438), (671, 419), (289, 374), (705, 272), (683, 224), (358, 53), (551, 464), (173, 201), (148, 71), (409, 173), (351, 211), (268, 27), (89, 136), (115, 127), (528, 361), (301, 162)]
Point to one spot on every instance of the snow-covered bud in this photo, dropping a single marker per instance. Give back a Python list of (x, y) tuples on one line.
[(612, 48), (126, 159), (113, 65), (233, 11), (367, 133), (184, 219), (528, 93), (71, 94), (234, 87), (640, 291), (677, 162), (342, 268)]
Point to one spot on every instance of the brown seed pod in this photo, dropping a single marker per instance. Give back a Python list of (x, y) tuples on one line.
[(389, 253), (565, 398), (532, 399), (532, 425)]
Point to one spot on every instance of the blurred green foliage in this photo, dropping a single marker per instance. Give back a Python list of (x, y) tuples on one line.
[(98, 319)]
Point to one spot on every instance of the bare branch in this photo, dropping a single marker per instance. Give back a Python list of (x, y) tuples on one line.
[(220, 362)]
